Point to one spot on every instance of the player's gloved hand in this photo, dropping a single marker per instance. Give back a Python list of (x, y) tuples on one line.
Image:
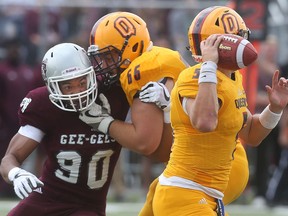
[(155, 92), (97, 116), (24, 182)]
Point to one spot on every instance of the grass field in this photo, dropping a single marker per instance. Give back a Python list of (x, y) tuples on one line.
[(131, 209)]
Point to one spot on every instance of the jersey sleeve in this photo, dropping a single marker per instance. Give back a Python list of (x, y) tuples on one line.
[(154, 65), (187, 84), (33, 109)]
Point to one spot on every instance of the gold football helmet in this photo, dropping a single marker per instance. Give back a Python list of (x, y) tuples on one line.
[(116, 40), (214, 20)]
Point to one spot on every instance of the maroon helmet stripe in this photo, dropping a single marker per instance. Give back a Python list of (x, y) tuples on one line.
[(196, 31), (92, 38), (92, 34), (95, 27)]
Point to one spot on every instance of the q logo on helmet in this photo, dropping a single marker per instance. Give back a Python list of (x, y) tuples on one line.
[(230, 23), (125, 27)]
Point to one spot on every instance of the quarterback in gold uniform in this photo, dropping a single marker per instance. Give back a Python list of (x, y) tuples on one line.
[(209, 20), (208, 115), (202, 161)]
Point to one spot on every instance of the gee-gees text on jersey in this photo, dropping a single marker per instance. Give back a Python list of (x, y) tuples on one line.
[(80, 139)]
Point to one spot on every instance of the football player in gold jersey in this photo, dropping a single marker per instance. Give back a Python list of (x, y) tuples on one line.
[(239, 173), (123, 54), (208, 115)]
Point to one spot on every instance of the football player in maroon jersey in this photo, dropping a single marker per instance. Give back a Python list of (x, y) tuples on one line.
[(80, 161)]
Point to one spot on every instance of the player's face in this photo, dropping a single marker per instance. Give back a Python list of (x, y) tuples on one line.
[(106, 63), (73, 86), (109, 60)]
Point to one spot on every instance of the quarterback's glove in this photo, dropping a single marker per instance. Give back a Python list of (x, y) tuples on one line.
[(155, 92), (24, 182), (97, 116)]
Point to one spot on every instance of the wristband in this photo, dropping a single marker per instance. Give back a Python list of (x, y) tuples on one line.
[(167, 117), (12, 173), (269, 119), (208, 73)]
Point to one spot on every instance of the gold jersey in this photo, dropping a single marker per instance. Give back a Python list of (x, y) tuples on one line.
[(205, 158), (152, 65)]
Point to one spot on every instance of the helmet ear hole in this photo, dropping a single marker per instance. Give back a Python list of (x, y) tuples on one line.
[(217, 22), (135, 47)]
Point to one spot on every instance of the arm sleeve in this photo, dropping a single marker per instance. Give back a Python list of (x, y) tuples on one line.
[(31, 132)]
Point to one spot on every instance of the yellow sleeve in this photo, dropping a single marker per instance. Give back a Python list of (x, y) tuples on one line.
[(151, 66)]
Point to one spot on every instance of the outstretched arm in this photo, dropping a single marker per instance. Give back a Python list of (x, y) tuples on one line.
[(143, 135), (260, 125)]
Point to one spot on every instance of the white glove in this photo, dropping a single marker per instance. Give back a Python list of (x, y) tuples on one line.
[(24, 182), (155, 92), (97, 116)]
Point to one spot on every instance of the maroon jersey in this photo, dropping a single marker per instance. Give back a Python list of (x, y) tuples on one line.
[(80, 161)]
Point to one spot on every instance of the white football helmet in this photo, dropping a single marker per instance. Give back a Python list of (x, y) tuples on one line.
[(64, 62)]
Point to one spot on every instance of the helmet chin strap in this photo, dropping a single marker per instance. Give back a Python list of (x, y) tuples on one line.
[(126, 62), (124, 44)]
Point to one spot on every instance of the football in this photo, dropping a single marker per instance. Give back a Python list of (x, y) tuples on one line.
[(235, 52)]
